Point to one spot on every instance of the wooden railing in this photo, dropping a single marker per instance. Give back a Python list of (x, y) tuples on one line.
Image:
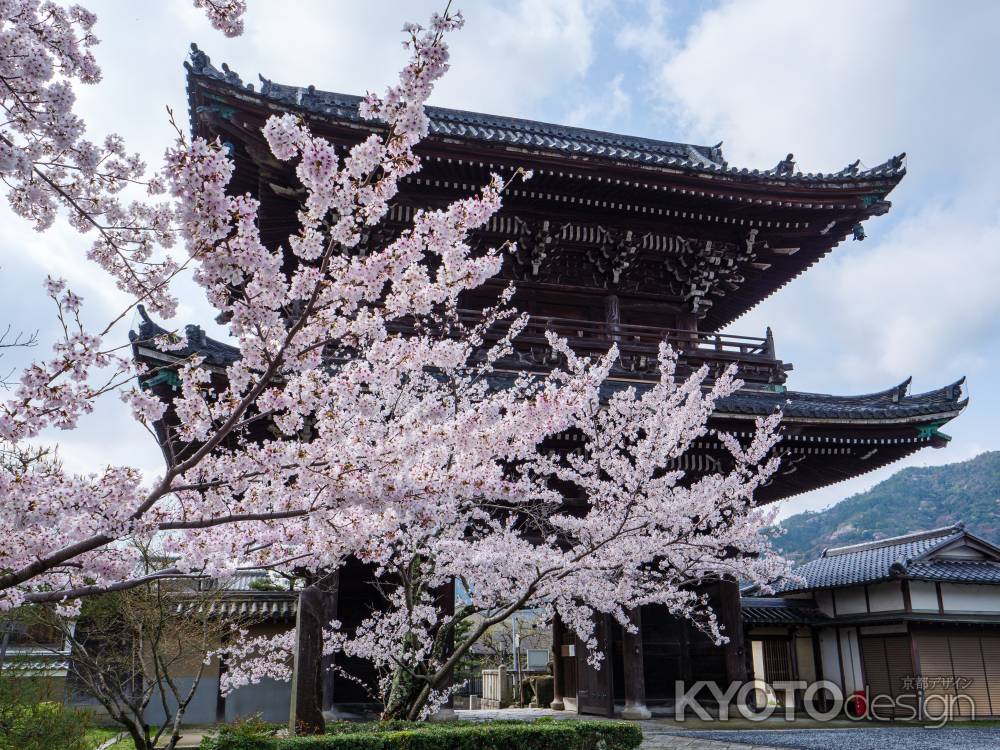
[(638, 347)]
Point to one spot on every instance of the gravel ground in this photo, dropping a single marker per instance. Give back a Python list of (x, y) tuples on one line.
[(869, 738)]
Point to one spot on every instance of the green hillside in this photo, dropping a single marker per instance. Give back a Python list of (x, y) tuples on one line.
[(910, 500)]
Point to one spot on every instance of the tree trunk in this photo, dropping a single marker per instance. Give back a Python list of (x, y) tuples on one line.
[(402, 694), (317, 606), (306, 716)]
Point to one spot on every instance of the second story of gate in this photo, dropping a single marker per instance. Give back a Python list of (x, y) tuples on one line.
[(614, 239)]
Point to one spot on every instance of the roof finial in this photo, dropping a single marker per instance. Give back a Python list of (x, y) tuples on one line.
[(199, 60), (786, 166), (851, 168)]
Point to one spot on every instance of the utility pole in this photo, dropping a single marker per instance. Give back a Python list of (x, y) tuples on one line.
[(516, 638)]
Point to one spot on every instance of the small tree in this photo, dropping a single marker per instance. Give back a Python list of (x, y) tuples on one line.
[(131, 648)]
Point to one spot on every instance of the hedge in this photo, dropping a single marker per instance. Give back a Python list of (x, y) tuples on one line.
[(42, 726), (542, 734)]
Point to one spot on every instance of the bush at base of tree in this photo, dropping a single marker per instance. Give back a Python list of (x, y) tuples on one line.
[(28, 721), (395, 735)]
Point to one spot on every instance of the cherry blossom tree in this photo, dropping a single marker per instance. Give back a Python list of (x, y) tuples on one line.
[(320, 350), (360, 417), (640, 532)]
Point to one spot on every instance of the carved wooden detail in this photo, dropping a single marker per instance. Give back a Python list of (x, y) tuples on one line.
[(616, 258)]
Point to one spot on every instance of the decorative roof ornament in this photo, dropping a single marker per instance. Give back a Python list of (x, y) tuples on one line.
[(200, 64), (901, 391), (785, 167), (850, 169), (716, 151)]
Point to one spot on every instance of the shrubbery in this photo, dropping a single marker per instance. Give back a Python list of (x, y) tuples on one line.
[(29, 722), (543, 734)]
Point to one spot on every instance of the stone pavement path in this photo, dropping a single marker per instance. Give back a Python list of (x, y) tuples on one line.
[(866, 738), (654, 738), (656, 735)]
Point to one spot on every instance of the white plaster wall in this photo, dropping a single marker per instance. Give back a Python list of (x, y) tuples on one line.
[(806, 658), (757, 651), (961, 552), (958, 597), (886, 597), (850, 601), (824, 600), (850, 651), (828, 656), (923, 596)]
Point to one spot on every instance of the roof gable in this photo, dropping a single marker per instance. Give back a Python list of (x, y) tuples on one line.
[(964, 548)]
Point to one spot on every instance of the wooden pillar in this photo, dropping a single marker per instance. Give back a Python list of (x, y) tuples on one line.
[(632, 667), (558, 676), (729, 614), (308, 678), (446, 601), (613, 316), (330, 588)]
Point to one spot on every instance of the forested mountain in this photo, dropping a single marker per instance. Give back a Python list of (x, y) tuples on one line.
[(912, 499)]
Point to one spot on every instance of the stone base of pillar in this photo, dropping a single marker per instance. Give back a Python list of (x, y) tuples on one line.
[(444, 714), (340, 714), (557, 706), (636, 712)]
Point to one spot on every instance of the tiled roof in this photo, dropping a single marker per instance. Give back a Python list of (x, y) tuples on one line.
[(897, 557), (278, 605), (955, 571), (891, 404), (541, 136), (196, 342), (238, 598), (759, 610)]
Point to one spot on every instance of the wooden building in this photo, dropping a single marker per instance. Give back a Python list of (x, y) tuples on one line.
[(914, 617), (621, 239)]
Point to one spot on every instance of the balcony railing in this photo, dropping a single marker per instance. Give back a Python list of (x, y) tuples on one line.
[(638, 346)]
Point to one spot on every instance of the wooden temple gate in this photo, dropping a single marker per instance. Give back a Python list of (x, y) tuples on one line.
[(618, 240)]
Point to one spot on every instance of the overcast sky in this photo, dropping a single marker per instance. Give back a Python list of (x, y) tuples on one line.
[(829, 82)]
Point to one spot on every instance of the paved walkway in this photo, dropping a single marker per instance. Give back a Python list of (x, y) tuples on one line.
[(654, 738), (657, 735), (665, 734), (866, 738)]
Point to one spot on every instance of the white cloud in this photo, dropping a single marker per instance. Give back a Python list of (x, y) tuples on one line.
[(829, 82), (605, 110), (832, 82), (511, 58)]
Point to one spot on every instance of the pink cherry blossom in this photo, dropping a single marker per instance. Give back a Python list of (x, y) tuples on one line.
[(362, 416)]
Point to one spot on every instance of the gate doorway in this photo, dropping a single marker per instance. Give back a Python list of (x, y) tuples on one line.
[(594, 687)]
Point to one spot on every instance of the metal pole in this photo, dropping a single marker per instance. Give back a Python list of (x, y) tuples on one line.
[(517, 659)]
